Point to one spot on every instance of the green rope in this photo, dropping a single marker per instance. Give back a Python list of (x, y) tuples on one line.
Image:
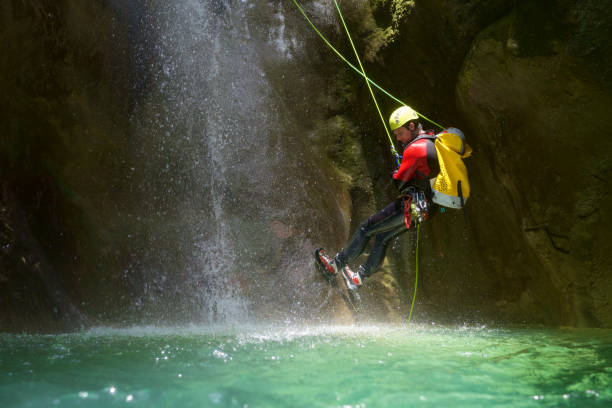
[(348, 34), (354, 67), (416, 273)]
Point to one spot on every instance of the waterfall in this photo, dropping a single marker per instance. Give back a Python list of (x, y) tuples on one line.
[(219, 163)]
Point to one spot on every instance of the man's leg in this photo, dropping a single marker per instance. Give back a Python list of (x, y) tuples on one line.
[(382, 240), (388, 219), (385, 231), (379, 250)]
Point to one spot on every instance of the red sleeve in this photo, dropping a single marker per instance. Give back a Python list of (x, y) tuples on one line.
[(414, 159)]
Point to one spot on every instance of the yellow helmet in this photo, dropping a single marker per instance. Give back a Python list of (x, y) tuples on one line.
[(402, 115)]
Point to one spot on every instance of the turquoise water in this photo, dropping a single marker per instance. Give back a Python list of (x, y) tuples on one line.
[(366, 366)]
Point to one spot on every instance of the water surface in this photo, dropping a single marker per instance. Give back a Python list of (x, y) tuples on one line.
[(365, 366)]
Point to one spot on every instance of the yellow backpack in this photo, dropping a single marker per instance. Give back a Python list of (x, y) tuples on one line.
[(451, 187)]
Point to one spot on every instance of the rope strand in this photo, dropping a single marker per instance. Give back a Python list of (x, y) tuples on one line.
[(384, 124), (416, 273), (326, 41)]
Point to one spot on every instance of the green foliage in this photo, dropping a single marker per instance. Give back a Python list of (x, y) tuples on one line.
[(398, 10)]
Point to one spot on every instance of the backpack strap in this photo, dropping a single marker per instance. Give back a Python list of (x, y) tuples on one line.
[(429, 135)]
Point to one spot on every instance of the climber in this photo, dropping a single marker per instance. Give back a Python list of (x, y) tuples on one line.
[(419, 164)]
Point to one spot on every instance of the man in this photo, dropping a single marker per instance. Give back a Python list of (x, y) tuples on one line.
[(419, 164)]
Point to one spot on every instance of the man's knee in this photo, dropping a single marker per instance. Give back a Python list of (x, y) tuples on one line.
[(365, 226)]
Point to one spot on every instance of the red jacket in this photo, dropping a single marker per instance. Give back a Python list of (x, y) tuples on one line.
[(419, 162)]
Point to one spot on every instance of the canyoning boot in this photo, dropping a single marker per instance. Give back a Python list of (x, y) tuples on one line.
[(353, 279), (326, 265)]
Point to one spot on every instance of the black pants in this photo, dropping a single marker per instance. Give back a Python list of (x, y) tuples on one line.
[(385, 225)]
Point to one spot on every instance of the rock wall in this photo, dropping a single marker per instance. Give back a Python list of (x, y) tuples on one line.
[(536, 89), (135, 174), (63, 97), (530, 85)]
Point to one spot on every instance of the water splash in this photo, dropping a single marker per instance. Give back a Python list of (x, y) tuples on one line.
[(371, 365), (206, 132)]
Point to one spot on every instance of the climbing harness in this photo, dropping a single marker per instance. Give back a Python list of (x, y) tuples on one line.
[(415, 207), (407, 199)]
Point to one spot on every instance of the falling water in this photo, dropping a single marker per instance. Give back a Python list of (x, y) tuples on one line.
[(222, 217)]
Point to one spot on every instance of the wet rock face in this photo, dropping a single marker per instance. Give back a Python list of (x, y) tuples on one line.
[(535, 88), (530, 85), (158, 160), (90, 232), (532, 90)]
